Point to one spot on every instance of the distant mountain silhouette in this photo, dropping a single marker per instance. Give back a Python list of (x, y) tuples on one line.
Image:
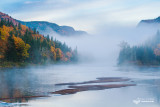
[(150, 22), (43, 26)]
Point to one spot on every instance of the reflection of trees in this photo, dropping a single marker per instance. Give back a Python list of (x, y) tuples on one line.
[(15, 96), (15, 84), (154, 88)]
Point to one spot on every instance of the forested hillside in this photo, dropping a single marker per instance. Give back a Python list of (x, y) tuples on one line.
[(146, 54), (150, 22), (20, 44), (44, 26)]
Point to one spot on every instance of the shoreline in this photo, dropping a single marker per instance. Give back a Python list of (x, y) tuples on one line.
[(138, 65), (6, 65)]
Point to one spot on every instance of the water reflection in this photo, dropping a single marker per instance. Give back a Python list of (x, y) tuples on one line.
[(153, 88), (20, 82), (17, 85)]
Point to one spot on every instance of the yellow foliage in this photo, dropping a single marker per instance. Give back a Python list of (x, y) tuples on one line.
[(25, 53), (21, 47), (52, 49), (59, 54), (5, 32)]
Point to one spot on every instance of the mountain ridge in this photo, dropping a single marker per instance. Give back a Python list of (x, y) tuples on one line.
[(22, 46), (44, 25), (9, 18), (150, 22)]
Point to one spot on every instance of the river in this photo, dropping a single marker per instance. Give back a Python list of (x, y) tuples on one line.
[(39, 80), (98, 59)]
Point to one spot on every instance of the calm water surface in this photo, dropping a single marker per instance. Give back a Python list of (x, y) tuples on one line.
[(17, 82)]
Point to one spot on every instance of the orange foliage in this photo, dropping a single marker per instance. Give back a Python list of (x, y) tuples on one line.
[(24, 28), (68, 54), (38, 36), (5, 32), (22, 48), (53, 52), (59, 53), (64, 59)]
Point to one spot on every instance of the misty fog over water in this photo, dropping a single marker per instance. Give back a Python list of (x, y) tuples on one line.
[(40, 80), (118, 54), (102, 44), (98, 55)]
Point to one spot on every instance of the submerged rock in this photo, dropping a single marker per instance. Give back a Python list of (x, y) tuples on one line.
[(99, 80)]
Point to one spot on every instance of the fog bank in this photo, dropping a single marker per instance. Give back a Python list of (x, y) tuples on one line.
[(102, 45)]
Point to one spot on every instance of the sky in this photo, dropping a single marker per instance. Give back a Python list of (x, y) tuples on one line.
[(85, 15)]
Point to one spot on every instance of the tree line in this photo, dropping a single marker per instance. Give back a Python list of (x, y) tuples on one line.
[(18, 43), (146, 54)]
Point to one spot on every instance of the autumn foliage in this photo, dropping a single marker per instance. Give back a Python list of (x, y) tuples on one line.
[(18, 43)]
